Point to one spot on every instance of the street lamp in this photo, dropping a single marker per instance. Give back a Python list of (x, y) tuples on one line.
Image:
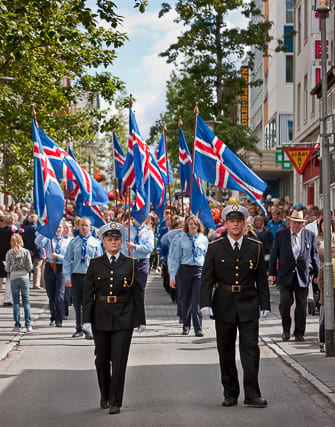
[(323, 7)]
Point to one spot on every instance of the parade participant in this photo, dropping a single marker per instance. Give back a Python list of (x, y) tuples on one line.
[(76, 260), (141, 245), (264, 235), (235, 268), (113, 305), (5, 236), (55, 249), (294, 249), (276, 222), (67, 235), (19, 265), (37, 255), (188, 257)]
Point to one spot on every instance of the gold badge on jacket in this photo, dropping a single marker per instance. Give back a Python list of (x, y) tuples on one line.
[(251, 264)]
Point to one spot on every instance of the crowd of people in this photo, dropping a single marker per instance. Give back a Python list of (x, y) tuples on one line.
[(202, 271)]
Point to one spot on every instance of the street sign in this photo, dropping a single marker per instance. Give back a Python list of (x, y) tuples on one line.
[(299, 157)]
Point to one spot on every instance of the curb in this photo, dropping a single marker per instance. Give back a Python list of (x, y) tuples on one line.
[(16, 339), (307, 375)]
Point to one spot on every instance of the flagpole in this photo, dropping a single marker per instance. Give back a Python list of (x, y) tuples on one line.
[(180, 125), (129, 189), (196, 112), (115, 178), (167, 171)]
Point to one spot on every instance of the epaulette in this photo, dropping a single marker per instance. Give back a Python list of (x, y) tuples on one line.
[(131, 257), (254, 240), (216, 240), (95, 257)]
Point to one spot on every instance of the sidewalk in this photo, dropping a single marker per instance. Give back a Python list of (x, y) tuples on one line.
[(162, 325)]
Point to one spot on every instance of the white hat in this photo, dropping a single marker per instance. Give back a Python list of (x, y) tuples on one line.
[(234, 212), (113, 229)]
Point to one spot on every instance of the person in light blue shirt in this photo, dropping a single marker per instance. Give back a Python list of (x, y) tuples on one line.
[(140, 247), (187, 258), (55, 249), (76, 261)]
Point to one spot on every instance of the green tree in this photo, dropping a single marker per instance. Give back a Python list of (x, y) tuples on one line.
[(207, 56), (48, 51)]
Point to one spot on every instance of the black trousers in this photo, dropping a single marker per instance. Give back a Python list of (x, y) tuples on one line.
[(111, 350), (55, 287), (286, 300), (249, 353), (77, 280)]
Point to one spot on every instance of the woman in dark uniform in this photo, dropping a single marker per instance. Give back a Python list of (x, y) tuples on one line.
[(113, 305)]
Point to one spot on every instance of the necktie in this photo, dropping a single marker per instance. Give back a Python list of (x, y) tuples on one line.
[(57, 250), (83, 249), (194, 250), (236, 248), (295, 246), (113, 258), (137, 237)]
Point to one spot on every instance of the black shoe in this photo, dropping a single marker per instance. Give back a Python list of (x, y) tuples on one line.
[(88, 336), (7, 304), (104, 404), (199, 334), (257, 402), (78, 334), (229, 401), (286, 336), (52, 323), (185, 332), (299, 338), (114, 410), (58, 325)]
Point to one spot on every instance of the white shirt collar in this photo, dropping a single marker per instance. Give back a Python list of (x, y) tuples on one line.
[(110, 256), (232, 241)]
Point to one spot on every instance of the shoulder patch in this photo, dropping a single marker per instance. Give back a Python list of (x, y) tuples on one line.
[(216, 240), (254, 240)]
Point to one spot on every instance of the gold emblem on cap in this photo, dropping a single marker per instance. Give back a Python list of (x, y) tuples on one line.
[(113, 226), (235, 207)]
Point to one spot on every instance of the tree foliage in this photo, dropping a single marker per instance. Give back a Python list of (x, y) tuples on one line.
[(208, 56), (49, 50)]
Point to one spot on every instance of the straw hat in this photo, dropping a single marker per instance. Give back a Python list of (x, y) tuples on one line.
[(297, 216)]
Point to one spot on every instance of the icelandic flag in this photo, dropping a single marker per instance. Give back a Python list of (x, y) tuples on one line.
[(48, 196), (92, 212), (214, 162), (200, 206), (157, 188), (98, 195), (119, 158), (141, 157), (61, 160), (161, 159)]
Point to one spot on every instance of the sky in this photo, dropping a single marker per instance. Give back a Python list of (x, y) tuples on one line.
[(138, 63)]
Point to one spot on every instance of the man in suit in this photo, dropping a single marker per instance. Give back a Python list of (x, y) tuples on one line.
[(113, 305), (294, 249), (235, 269)]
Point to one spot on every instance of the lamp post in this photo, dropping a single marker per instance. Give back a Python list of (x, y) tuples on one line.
[(323, 7)]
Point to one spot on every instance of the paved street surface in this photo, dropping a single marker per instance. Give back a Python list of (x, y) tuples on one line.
[(48, 379)]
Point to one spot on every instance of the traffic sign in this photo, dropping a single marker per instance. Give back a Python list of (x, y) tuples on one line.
[(299, 157)]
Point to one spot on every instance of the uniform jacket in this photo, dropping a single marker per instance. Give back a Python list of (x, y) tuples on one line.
[(307, 262), (120, 280), (247, 268)]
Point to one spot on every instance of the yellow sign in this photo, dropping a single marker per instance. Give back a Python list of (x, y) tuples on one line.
[(299, 157), (245, 97)]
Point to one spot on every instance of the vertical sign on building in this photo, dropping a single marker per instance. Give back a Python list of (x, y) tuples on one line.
[(245, 96)]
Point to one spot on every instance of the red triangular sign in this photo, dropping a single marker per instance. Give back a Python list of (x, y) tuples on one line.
[(299, 157)]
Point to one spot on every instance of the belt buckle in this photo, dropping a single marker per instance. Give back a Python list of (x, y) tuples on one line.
[(111, 299), (236, 288)]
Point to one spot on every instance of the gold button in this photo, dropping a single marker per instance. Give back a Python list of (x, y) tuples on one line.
[(112, 278), (236, 274), (111, 293), (236, 283), (112, 272), (110, 286), (237, 260), (237, 267)]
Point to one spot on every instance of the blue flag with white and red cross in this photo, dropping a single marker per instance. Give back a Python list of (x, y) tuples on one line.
[(161, 160), (199, 206), (214, 162), (48, 196), (119, 159), (157, 188), (141, 160)]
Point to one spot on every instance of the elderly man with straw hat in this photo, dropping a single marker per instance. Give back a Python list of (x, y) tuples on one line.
[(293, 259)]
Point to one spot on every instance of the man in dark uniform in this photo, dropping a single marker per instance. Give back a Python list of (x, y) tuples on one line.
[(235, 270), (113, 305)]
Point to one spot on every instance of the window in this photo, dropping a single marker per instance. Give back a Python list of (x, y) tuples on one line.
[(290, 130), (289, 11), (313, 105), (305, 98), (289, 68), (288, 38), (298, 104), (299, 29)]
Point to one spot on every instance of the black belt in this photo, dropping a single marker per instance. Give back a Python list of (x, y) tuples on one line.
[(113, 299), (236, 288)]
